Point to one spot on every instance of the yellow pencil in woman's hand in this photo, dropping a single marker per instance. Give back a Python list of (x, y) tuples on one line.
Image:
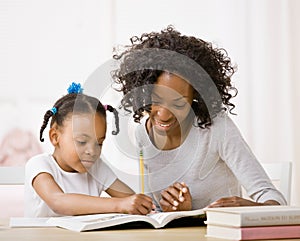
[(180, 194), (142, 182)]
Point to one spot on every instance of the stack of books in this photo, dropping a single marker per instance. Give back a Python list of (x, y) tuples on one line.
[(255, 222)]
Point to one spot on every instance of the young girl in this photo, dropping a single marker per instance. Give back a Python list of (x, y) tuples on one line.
[(194, 154), (70, 180)]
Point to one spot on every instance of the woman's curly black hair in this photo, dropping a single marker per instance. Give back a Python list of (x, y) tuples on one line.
[(206, 68)]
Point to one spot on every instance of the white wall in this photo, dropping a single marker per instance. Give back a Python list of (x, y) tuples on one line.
[(47, 44)]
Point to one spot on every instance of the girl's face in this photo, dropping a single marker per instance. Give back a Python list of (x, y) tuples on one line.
[(172, 97), (80, 141)]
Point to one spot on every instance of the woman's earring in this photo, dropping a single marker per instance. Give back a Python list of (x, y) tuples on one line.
[(195, 100)]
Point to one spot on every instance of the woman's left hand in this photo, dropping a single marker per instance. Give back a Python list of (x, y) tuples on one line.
[(238, 201)]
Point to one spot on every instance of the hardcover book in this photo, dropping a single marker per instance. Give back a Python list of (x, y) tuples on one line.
[(252, 233), (253, 216)]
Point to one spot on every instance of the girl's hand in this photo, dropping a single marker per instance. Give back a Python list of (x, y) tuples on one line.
[(238, 201), (136, 204), (176, 198)]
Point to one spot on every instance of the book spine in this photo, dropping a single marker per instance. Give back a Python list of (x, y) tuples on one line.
[(267, 219), (253, 233), (271, 232)]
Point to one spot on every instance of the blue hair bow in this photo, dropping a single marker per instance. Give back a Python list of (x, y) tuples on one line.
[(54, 110), (75, 88)]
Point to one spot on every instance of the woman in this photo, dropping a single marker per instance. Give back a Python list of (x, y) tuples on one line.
[(194, 154)]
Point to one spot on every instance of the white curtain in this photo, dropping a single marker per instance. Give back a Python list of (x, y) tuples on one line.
[(269, 83), (294, 100)]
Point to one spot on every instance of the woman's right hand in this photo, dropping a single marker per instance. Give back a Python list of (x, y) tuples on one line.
[(176, 198), (136, 204)]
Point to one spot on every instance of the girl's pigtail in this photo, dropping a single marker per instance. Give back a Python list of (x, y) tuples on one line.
[(48, 114), (116, 114)]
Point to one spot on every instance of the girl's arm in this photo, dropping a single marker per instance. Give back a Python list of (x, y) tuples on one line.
[(78, 204), (119, 189)]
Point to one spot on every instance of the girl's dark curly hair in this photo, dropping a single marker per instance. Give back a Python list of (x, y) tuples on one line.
[(76, 103), (206, 68)]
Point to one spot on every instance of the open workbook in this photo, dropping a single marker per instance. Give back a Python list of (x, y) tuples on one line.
[(99, 221)]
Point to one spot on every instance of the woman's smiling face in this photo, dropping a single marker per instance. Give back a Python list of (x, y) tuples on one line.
[(172, 97)]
